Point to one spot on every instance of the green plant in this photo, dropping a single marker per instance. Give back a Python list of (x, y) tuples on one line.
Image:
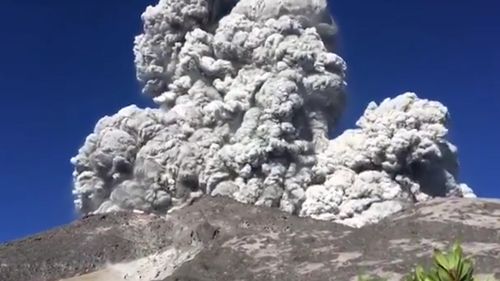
[(450, 266)]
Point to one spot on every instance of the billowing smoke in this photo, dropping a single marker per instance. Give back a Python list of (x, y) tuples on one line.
[(248, 93), (398, 154)]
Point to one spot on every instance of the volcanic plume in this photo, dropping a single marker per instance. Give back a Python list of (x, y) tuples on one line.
[(248, 93)]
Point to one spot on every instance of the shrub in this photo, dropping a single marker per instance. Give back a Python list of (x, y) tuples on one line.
[(447, 266)]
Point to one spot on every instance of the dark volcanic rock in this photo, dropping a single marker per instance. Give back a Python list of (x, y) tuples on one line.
[(82, 247), (219, 239)]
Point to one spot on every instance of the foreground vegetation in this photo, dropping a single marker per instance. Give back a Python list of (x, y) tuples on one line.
[(447, 266)]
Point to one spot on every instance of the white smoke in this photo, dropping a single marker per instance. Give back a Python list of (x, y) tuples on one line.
[(399, 153), (248, 93)]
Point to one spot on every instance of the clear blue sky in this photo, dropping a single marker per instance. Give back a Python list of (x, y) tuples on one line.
[(64, 64)]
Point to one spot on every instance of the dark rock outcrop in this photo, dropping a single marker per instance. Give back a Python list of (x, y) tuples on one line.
[(220, 239)]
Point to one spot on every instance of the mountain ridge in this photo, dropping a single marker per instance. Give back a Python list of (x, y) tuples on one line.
[(217, 238)]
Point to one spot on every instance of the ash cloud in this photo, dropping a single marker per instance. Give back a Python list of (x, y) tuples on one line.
[(247, 93)]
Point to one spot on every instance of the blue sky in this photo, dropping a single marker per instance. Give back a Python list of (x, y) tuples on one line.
[(65, 64)]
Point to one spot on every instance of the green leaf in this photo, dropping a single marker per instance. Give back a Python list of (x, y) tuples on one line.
[(441, 260), (466, 271), (420, 273), (433, 275), (455, 260), (457, 250), (444, 275)]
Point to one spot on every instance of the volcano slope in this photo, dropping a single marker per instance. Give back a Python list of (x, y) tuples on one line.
[(217, 238)]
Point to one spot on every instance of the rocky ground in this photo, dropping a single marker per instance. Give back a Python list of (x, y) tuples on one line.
[(220, 239)]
